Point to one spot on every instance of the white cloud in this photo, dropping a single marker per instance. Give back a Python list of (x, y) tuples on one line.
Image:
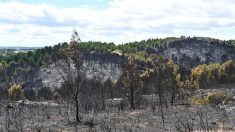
[(121, 21)]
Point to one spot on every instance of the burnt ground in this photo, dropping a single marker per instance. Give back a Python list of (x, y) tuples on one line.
[(59, 117)]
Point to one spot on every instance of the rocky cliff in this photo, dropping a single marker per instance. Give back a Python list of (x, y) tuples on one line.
[(104, 65), (194, 51)]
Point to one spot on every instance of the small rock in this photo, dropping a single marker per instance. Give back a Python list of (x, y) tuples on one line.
[(233, 99)]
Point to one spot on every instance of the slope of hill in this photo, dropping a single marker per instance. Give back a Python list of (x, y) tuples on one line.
[(106, 59), (194, 51), (201, 98)]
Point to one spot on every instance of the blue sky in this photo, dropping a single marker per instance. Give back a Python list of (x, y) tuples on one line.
[(48, 22), (98, 4)]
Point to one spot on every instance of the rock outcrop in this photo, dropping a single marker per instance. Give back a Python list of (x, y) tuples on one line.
[(194, 51)]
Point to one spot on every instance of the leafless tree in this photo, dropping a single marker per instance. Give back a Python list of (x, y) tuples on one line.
[(109, 86), (131, 80), (70, 70), (159, 82), (99, 85)]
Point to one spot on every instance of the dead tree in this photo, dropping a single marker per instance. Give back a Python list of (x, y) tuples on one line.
[(109, 86), (159, 82), (70, 70), (99, 84), (131, 80)]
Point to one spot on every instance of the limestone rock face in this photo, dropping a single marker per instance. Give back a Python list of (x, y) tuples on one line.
[(51, 78)]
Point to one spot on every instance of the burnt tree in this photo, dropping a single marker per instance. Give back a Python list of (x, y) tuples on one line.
[(131, 80), (70, 71)]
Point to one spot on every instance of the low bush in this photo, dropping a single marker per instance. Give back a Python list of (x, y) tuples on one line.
[(15, 91), (218, 97), (200, 101), (212, 98)]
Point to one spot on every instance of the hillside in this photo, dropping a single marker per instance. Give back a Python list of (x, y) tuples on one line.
[(171, 84), (107, 59), (195, 51), (198, 49)]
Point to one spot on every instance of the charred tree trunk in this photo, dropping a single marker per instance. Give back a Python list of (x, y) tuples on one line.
[(103, 98), (132, 98), (172, 98), (77, 110)]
